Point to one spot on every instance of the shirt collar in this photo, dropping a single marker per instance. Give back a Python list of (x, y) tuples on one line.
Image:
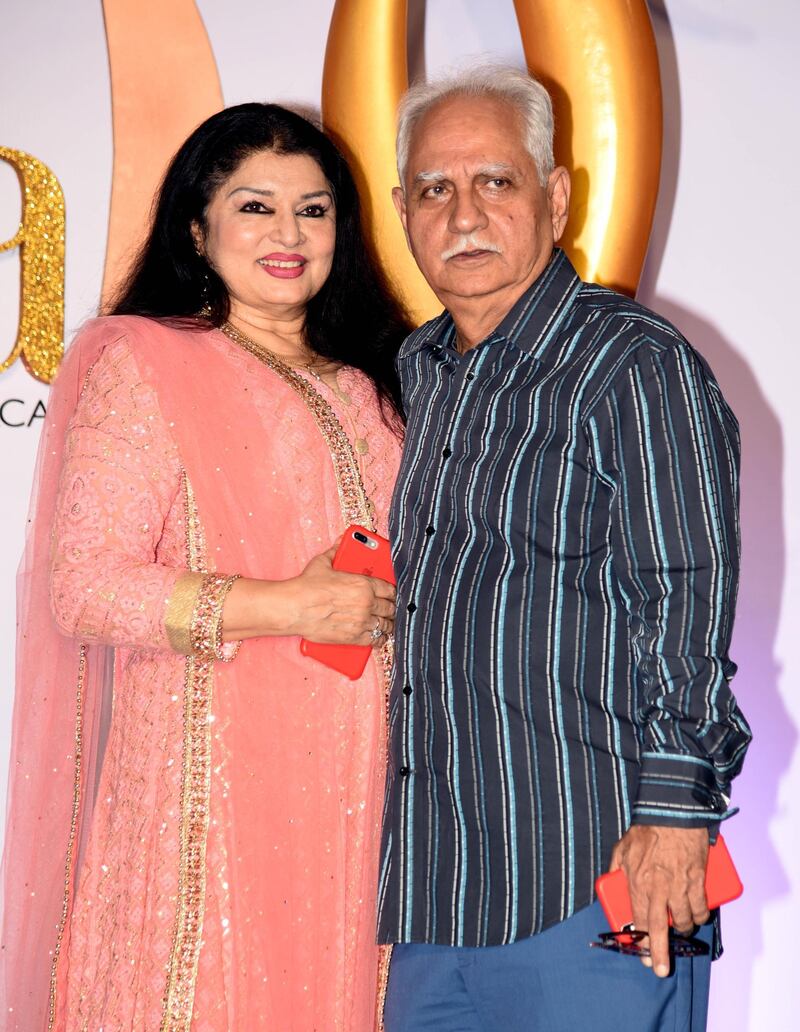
[(531, 323)]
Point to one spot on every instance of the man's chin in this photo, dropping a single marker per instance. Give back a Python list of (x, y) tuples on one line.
[(467, 282)]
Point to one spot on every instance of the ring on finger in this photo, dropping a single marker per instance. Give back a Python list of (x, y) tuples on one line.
[(377, 631)]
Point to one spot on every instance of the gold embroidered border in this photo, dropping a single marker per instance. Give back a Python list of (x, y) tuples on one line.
[(195, 805), (73, 827), (384, 962), (76, 807), (356, 507), (180, 607)]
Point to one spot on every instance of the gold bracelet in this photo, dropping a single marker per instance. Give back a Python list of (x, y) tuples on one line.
[(206, 629)]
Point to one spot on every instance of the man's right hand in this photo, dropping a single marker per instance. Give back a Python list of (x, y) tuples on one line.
[(665, 868)]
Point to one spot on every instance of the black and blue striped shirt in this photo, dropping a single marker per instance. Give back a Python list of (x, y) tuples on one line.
[(566, 545)]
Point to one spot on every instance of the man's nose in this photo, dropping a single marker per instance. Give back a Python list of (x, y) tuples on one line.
[(467, 214)]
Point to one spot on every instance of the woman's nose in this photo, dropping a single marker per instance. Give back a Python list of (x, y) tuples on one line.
[(286, 229)]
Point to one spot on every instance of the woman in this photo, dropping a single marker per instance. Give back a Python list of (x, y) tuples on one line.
[(200, 846)]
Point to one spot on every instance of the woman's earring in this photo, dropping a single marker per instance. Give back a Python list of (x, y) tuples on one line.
[(205, 290)]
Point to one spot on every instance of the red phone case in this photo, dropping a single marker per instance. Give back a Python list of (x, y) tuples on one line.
[(354, 556), (722, 885)]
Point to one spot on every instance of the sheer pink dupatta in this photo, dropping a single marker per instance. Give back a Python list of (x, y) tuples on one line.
[(54, 745), (299, 753)]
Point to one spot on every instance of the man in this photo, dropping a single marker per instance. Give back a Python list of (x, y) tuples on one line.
[(566, 543)]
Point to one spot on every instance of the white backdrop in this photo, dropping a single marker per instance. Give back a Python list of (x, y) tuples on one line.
[(722, 266)]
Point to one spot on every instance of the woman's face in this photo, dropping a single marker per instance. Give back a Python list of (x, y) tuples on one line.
[(270, 233)]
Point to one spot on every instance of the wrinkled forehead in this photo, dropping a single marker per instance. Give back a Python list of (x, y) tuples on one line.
[(466, 134)]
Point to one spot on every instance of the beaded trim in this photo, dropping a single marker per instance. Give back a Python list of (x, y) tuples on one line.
[(194, 810), (73, 827), (384, 962), (206, 629), (77, 788), (356, 508)]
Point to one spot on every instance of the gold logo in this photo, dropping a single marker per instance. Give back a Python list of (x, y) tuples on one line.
[(598, 58), (40, 239)]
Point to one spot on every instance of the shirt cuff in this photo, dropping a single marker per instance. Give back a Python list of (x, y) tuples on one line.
[(678, 790)]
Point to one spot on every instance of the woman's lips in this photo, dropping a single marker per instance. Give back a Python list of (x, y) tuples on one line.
[(283, 266)]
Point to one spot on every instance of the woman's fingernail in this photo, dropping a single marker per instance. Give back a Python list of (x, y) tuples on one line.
[(647, 962), (662, 970)]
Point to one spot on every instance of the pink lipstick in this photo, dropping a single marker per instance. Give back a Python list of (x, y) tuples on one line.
[(283, 266)]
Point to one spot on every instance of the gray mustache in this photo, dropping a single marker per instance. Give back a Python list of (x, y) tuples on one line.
[(469, 243)]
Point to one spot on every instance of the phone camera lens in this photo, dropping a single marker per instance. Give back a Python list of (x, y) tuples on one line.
[(361, 537)]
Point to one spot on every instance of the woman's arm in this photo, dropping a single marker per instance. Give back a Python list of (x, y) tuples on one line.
[(121, 477)]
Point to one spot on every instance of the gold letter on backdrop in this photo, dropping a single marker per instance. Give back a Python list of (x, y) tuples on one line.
[(599, 59), (40, 238), (366, 73)]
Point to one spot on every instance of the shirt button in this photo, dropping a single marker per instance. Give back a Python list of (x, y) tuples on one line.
[(447, 452), (411, 607), (407, 689), (404, 772), (429, 531), (470, 376)]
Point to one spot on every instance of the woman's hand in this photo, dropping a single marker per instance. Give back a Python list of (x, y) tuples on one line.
[(325, 605), (320, 604)]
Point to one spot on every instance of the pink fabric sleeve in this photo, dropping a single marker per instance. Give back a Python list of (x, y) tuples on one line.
[(111, 576)]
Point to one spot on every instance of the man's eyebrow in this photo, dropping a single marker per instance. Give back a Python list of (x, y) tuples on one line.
[(429, 177), (497, 168)]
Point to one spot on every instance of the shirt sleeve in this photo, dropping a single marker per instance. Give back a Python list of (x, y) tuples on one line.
[(667, 445), (122, 476)]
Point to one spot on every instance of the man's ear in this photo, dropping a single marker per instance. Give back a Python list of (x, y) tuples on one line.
[(399, 198), (558, 191)]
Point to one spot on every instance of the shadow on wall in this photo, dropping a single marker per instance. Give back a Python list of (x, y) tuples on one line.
[(763, 563)]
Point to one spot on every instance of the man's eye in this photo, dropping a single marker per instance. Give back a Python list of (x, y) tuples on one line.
[(433, 191), (498, 182)]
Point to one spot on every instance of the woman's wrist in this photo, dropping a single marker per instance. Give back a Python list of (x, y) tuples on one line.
[(256, 608)]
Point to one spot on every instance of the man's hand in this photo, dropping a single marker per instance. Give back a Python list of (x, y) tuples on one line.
[(666, 869)]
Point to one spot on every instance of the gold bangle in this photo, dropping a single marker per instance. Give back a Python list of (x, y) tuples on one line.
[(206, 629)]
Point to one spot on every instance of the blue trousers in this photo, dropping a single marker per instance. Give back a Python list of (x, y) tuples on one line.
[(552, 982)]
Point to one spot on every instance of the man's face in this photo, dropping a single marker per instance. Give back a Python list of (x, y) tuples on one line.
[(477, 220)]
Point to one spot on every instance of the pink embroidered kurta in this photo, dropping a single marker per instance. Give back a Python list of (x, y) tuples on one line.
[(226, 879)]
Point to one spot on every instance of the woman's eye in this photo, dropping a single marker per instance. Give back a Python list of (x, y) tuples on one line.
[(254, 206), (314, 211)]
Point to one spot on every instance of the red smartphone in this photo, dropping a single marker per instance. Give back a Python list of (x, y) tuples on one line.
[(360, 551), (722, 885)]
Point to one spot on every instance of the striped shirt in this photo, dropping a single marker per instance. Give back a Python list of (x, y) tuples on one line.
[(566, 545)]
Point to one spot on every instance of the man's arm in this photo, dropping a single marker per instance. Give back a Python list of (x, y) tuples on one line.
[(666, 443)]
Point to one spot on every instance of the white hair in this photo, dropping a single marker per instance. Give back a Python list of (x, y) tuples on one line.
[(503, 82)]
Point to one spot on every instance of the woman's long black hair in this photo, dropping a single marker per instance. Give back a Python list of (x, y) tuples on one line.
[(353, 319)]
